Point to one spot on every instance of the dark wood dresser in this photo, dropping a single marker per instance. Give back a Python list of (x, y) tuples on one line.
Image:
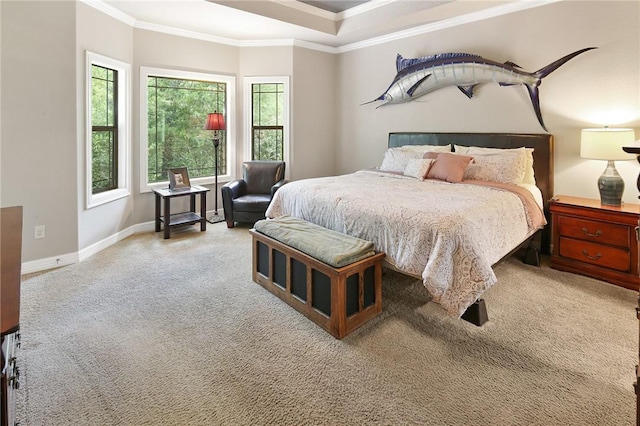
[(11, 267), (596, 240)]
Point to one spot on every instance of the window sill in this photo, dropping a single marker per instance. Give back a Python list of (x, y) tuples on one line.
[(96, 200)]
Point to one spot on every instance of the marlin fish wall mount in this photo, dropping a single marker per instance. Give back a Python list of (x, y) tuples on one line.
[(418, 76)]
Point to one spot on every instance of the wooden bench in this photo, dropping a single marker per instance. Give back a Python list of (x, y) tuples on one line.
[(337, 299)]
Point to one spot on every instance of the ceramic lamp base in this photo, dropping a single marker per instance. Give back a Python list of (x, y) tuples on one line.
[(611, 186)]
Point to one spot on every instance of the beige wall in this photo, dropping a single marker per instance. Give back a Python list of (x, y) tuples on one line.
[(39, 153), (598, 88), (98, 33), (314, 114)]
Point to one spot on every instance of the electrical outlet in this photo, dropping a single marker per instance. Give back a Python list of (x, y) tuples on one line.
[(39, 232)]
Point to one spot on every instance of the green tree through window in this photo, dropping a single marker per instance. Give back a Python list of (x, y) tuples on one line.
[(104, 129), (176, 112), (267, 127)]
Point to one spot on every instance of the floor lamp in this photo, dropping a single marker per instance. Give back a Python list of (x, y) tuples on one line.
[(215, 122)]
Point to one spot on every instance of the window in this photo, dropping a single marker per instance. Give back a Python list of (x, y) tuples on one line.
[(108, 137), (175, 105), (269, 118)]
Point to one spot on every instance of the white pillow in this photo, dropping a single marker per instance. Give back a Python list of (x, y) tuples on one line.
[(503, 167), (395, 159), (418, 168), (529, 175), (427, 148)]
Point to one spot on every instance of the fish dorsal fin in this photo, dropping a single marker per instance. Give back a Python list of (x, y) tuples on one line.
[(403, 63), (399, 61), (511, 64)]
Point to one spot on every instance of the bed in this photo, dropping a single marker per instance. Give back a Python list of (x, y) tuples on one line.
[(447, 233)]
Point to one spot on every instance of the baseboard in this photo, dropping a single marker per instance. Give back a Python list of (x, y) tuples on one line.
[(71, 258)]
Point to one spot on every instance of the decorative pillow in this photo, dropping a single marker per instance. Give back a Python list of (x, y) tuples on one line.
[(430, 155), (427, 148), (418, 168), (503, 167), (529, 174), (449, 167), (395, 159)]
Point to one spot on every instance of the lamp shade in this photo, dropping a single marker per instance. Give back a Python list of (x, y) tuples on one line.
[(606, 143), (215, 121)]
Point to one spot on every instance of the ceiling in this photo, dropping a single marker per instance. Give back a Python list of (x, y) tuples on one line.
[(334, 6), (327, 24)]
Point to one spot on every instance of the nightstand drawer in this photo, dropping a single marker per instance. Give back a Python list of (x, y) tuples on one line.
[(590, 230), (595, 254)]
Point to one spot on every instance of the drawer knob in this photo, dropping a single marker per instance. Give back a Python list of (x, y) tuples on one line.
[(596, 257), (586, 232)]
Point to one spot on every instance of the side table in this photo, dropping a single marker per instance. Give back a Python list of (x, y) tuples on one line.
[(596, 240), (190, 217)]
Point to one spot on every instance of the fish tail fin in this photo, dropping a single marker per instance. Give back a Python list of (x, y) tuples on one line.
[(532, 88), (535, 101), (543, 72)]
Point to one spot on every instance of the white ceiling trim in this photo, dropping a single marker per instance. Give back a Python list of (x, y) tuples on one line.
[(111, 11), (446, 23), (423, 29), (351, 12), (185, 33)]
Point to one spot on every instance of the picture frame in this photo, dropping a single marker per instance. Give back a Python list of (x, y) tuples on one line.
[(179, 179)]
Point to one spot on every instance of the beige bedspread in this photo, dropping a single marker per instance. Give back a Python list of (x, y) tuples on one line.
[(449, 234)]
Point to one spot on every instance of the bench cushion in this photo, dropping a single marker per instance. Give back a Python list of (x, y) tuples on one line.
[(331, 247)]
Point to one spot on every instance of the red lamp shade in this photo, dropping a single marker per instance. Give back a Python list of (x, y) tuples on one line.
[(215, 121)]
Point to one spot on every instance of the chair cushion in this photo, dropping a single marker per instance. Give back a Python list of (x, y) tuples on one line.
[(260, 176), (252, 203)]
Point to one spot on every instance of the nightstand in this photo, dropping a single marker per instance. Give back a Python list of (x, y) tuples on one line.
[(596, 240)]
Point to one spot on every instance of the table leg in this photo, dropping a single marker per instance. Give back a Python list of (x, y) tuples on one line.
[(203, 211), (192, 202), (157, 212), (167, 215)]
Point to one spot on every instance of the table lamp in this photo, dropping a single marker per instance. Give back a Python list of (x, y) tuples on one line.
[(606, 144)]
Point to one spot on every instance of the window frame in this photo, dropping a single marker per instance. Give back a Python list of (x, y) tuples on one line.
[(229, 114), (123, 136), (248, 124)]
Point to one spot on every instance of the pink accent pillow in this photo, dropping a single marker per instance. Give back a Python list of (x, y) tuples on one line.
[(431, 155), (449, 167)]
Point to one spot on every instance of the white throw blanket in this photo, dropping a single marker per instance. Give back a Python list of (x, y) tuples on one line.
[(449, 234)]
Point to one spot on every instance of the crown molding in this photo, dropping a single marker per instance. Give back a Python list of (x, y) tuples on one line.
[(423, 29), (186, 33), (447, 23), (111, 11), (325, 14)]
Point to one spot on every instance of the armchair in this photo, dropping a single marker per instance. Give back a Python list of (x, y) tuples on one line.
[(247, 199)]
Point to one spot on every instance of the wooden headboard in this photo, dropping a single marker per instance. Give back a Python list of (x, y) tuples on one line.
[(542, 145)]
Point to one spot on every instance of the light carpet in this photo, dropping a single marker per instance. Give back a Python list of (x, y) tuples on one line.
[(174, 332)]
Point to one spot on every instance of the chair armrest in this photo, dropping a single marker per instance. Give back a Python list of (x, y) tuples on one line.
[(277, 186), (234, 189)]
